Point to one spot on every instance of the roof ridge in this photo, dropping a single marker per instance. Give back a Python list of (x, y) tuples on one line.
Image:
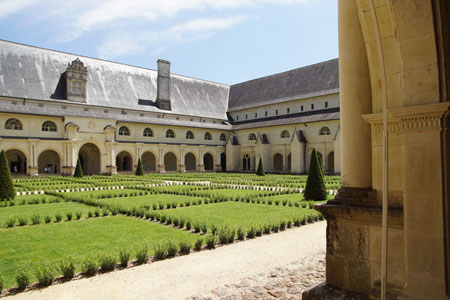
[(108, 61), (284, 72)]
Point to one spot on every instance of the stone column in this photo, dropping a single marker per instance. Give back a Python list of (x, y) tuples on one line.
[(355, 99)]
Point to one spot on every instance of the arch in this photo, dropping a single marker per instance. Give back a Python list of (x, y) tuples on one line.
[(49, 126), (289, 162), (147, 132), (223, 137), (189, 135), (13, 124), (124, 162), (170, 134), (223, 161), (170, 161), (148, 161), (208, 162), (190, 162), (330, 163), (49, 162), (123, 130), (285, 134), (252, 137), (208, 136), (278, 162), (17, 161), (246, 162), (89, 155), (324, 131)]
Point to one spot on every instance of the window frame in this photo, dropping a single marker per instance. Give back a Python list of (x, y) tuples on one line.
[(9, 124), (124, 131)]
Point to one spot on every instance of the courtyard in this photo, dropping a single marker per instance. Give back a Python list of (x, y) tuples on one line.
[(54, 220)]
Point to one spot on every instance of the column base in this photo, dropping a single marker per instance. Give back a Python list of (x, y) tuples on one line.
[(328, 292), (111, 170), (183, 168), (33, 171), (68, 171)]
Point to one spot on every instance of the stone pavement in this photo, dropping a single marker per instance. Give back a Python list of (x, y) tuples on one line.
[(287, 283)]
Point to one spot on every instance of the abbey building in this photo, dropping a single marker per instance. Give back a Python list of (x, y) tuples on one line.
[(56, 107)]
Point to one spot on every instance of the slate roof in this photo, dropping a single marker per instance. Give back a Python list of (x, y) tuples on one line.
[(36, 73), (310, 81)]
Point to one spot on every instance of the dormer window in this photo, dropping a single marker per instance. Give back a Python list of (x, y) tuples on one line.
[(76, 81)]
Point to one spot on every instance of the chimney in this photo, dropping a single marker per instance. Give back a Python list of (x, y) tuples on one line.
[(163, 85)]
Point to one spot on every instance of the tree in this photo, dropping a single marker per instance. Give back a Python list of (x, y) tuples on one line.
[(7, 191), (260, 170), (315, 186), (78, 170), (139, 169)]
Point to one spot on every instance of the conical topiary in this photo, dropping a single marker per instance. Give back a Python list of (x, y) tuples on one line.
[(6, 183), (315, 186), (78, 170), (139, 169), (260, 170)]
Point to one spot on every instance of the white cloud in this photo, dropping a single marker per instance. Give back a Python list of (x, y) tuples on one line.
[(9, 7), (122, 43)]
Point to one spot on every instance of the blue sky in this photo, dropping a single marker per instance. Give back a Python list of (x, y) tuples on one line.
[(226, 41)]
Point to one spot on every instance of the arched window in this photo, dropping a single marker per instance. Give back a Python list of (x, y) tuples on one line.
[(189, 135), (325, 131), (170, 134), (208, 136), (284, 134), (124, 130), (252, 137), (13, 124), (48, 126), (148, 132), (223, 137)]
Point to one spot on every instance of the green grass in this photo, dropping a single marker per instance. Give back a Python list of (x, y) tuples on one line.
[(33, 245), (42, 209), (235, 214), (99, 193), (230, 192), (148, 200), (297, 197)]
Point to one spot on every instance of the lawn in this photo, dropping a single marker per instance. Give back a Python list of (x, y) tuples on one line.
[(102, 193), (50, 209), (235, 214), (230, 192), (34, 245), (147, 201)]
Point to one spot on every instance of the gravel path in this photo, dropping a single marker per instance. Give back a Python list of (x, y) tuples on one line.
[(274, 266)]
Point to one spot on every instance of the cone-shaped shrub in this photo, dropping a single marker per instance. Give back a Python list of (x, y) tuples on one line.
[(315, 187), (6, 183), (78, 170), (139, 169), (260, 170)]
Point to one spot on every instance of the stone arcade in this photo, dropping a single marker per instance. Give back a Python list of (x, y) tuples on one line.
[(56, 107)]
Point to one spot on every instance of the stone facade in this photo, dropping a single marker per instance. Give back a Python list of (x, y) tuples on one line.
[(60, 107)]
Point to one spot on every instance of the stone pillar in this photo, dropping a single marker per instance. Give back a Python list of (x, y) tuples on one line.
[(162, 167), (355, 99)]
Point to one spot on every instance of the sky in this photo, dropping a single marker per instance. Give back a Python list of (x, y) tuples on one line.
[(225, 41)]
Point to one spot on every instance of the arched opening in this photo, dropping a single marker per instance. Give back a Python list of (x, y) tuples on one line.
[(49, 162), (330, 163), (208, 136), (170, 162), (208, 162), (190, 162), (284, 134), (246, 162), (17, 162), (324, 131), (148, 162), (89, 155), (49, 126), (124, 162), (289, 162), (252, 137), (278, 162), (223, 137), (223, 161), (189, 135), (124, 131)]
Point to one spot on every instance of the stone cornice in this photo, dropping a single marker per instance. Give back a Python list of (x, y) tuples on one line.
[(409, 119)]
